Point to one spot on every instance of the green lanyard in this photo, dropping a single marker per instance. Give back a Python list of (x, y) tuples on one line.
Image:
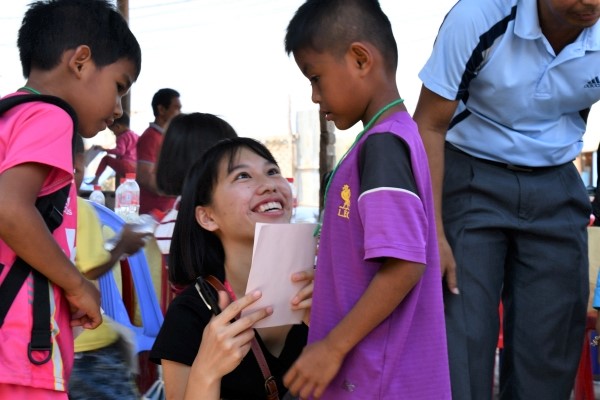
[(368, 126), (29, 89)]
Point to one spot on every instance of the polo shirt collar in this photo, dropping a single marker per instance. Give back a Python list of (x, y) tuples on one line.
[(157, 127), (527, 24)]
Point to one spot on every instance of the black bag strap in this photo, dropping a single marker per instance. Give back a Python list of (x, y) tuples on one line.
[(51, 208), (270, 385)]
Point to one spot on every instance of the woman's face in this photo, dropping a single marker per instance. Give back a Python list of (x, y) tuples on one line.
[(252, 191)]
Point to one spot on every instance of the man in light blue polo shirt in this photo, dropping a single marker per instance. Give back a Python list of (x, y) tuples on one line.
[(503, 108)]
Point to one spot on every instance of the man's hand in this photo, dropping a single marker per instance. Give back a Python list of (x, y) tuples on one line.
[(447, 264)]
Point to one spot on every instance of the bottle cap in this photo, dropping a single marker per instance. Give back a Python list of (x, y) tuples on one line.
[(130, 175)]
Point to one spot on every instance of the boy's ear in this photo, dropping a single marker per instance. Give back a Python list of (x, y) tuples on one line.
[(80, 58), (205, 220), (361, 56)]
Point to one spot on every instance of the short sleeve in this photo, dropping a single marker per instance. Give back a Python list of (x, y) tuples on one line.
[(391, 209), (148, 146), (181, 332), (454, 45), (38, 133)]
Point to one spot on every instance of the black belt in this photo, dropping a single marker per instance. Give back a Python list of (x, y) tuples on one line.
[(511, 167)]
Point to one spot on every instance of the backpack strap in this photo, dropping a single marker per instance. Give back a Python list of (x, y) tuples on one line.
[(51, 208), (270, 384)]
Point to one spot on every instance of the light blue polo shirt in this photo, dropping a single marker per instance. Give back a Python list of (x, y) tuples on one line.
[(519, 102)]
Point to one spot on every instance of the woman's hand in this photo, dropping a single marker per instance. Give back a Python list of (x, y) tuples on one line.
[(226, 342), (303, 299)]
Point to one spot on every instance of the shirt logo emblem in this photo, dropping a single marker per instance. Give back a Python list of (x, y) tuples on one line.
[(344, 209), (67, 209), (348, 386), (594, 83)]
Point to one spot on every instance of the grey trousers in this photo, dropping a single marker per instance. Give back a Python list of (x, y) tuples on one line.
[(519, 237)]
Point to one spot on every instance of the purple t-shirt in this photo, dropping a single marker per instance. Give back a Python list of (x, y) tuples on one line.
[(380, 205)]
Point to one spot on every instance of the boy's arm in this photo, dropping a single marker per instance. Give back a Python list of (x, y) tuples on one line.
[(130, 242), (319, 362), (24, 230)]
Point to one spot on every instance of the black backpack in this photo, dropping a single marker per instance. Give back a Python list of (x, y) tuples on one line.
[(51, 208)]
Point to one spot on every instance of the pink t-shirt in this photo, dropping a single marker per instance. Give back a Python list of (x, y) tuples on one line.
[(126, 146), (40, 133)]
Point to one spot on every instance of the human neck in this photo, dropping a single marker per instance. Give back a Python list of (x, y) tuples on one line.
[(238, 260), (39, 86), (558, 34), (160, 122)]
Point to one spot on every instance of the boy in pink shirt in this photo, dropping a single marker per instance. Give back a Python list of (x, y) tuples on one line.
[(122, 159), (90, 69)]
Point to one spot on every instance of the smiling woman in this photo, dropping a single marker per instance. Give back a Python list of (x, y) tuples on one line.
[(236, 184)]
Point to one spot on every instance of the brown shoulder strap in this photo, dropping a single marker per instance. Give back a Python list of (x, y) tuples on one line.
[(270, 384)]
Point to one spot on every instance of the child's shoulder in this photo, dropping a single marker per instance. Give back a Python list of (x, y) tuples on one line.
[(21, 110)]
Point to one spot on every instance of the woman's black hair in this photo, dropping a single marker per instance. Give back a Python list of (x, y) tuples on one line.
[(194, 250), (186, 139)]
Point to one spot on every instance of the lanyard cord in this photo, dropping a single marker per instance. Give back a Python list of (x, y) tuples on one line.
[(29, 89), (368, 126)]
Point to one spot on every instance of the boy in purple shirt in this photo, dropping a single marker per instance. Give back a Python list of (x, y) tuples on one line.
[(377, 324)]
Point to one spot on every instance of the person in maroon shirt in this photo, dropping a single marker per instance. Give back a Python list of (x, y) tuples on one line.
[(165, 105)]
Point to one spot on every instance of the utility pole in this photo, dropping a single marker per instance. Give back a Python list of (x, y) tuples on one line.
[(326, 154), (123, 7)]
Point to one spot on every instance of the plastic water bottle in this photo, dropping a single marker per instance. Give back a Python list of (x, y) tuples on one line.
[(127, 200), (97, 196)]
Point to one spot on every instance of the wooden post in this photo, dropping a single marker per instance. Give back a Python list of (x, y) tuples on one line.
[(326, 155), (123, 7)]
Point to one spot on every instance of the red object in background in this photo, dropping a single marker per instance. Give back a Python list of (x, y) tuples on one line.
[(584, 382)]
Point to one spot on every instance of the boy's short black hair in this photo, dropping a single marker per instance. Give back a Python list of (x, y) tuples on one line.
[(51, 27), (163, 98), (332, 25)]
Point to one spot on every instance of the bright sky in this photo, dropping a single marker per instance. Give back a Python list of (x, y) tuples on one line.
[(226, 57)]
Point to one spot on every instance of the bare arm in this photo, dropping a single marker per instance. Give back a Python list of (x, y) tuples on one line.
[(24, 230), (433, 115), (129, 243), (146, 176), (176, 377), (320, 361)]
